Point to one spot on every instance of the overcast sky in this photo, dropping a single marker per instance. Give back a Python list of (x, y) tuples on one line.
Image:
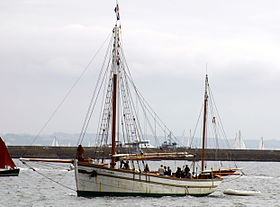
[(46, 44)]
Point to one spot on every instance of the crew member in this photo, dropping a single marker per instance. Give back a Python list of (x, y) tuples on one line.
[(80, 153)]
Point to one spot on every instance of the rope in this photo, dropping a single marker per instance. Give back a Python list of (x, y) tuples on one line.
[(50, 165), (195, 128), (93, 99), (223, 133), (146, 105), (32, 168), (68, 93), (225, 181), (219, 117), (149, 109)]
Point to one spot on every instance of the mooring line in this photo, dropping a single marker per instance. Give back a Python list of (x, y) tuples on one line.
[(32, 168)]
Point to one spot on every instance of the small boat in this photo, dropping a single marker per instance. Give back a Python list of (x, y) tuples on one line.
[(241, 192), (7, 166), (169, 144), (225, 172), (138, 144)]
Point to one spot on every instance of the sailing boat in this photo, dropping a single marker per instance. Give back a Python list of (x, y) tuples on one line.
[(55, 142), (116, 178), (208, 97), (239, 143), (261, 144), (7, 166)]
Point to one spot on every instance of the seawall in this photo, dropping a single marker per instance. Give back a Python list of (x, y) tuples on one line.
[(93, 152)]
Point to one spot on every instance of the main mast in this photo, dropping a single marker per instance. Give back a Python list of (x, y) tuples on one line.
[(115, 69), (204, 123)]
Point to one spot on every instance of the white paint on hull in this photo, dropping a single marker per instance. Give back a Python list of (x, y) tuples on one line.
[(95, 178)]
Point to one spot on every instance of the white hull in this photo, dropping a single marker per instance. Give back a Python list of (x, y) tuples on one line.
[(241, 192), (95, 180)]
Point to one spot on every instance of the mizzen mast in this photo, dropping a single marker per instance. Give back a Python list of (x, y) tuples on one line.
[(204, 123)]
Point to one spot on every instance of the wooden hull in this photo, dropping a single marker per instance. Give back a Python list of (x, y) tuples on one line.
[(225, 172), (95, 180), (10, 172)]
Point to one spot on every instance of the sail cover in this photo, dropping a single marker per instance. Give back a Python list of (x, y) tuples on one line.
[(5, 158)]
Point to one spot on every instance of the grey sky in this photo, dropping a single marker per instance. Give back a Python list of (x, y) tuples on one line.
[(46, 44)]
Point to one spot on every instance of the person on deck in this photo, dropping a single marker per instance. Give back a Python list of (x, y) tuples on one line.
[(178, 172), (126, 165), (161, 170), (146, 168), (165, 170), (122, 164), (169, 172), (187, 172), (80, 153)]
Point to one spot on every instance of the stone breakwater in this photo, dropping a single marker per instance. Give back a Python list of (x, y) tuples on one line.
[(93, 152)]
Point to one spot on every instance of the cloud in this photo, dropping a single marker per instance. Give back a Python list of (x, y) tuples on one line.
[(45, 46)]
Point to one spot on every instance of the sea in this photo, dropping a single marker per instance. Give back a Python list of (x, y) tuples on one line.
[(53, 185)]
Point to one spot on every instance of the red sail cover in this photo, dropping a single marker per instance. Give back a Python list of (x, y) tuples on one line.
[(5, 158)]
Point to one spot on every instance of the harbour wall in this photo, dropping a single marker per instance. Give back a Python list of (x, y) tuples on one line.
[(93, 152)]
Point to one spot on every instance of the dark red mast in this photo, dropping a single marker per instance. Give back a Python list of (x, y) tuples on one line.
[(204, 123), (115, 68)]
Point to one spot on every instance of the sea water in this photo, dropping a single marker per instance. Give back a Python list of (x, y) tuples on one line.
[(40, 188)]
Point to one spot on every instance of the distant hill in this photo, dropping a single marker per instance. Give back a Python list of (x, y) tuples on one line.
[(65, 139)]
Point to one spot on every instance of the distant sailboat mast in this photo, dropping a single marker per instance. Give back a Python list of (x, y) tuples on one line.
[(261, 144), (190, 140), (242, 144)]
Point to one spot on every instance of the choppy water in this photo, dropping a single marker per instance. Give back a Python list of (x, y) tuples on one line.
[(32, 189)]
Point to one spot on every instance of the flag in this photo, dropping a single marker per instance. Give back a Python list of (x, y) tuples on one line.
[(214, 120), (117, 12)]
